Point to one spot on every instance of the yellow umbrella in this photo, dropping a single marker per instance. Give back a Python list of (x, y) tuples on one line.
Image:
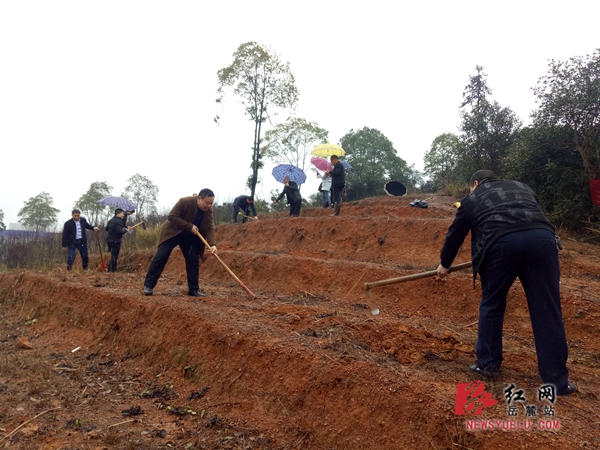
[(328, 150)]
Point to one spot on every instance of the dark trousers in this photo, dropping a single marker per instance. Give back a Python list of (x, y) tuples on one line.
[(80, 245), (295, 208), (190, 248), (336, 198), (114, 247), (532, 256)]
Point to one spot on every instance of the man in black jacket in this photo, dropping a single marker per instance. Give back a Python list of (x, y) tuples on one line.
[(116, 230), (338, 182), (511, 237), (243, 204), (74, 238), (292, 194)]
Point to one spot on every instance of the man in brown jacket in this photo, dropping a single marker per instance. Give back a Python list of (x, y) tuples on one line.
[(189, 215)]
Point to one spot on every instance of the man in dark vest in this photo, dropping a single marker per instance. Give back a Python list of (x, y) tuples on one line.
[(74, 238), (511, 237), (189, 215)]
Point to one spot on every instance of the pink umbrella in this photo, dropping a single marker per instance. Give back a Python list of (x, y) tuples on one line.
[(321, 163)]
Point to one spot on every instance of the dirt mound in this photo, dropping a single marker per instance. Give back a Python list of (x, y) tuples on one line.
[(303, 364)]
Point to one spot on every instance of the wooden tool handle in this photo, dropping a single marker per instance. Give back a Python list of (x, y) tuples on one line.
[(224, 265), (416, 276)]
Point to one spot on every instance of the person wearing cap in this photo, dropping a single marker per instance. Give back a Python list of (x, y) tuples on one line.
[(292, 195), (511, 238), (242, 205), (189, 216), (338, 182), (74, 239), (116, 230)]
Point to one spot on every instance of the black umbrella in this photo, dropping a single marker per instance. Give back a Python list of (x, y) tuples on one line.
[(394, 188)]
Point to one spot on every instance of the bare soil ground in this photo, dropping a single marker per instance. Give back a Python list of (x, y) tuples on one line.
[(88, 362)]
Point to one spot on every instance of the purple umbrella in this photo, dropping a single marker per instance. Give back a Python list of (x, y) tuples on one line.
[(118, 202), (288, 170), (321, 163)]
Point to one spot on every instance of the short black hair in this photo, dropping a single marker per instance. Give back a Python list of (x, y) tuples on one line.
[(118, 211), (206, 193), (482, 175), (335, 156), (250, 198), (75, 211)]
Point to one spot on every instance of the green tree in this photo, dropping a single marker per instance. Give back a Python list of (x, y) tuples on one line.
[(143, 193), (88, 202), (2, 226), (38, 212), (487, 128), (440, 160), (292, 141), (546, 159), (374, 162), (570, 95), (261, 80)]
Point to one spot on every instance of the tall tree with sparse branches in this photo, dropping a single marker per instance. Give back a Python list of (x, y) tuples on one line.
[(2, 226), (38, 212), (143, 193), (569, 95), (260, 79), (88, 202), (488, 129), (292, 141)]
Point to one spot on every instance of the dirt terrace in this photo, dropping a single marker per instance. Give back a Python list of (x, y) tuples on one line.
[(303, 365)]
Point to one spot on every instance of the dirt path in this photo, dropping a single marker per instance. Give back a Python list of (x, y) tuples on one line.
[(304, 365)]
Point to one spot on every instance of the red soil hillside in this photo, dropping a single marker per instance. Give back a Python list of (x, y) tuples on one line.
[(303, 365)]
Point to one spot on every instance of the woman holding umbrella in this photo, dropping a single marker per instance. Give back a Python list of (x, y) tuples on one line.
[(292, 193)]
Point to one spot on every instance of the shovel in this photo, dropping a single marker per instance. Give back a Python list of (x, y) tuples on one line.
[(417, 276), (224, 265), (102, 267)]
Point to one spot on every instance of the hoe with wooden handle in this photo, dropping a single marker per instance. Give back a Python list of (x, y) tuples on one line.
[(242, 214), (143, 224), (417, 276), (224, 265)]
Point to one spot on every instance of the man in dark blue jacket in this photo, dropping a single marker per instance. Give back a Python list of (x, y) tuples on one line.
[(338, 182), (293, 197), (243, 204), (74, 238), (511, 237), (116, 230)]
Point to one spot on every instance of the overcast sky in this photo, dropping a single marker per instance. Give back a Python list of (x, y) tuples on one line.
[(99, 91)]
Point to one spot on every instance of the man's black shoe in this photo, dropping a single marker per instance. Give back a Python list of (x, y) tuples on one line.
[(570, 389), (196, 293), (147, 291), (484, 372)]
